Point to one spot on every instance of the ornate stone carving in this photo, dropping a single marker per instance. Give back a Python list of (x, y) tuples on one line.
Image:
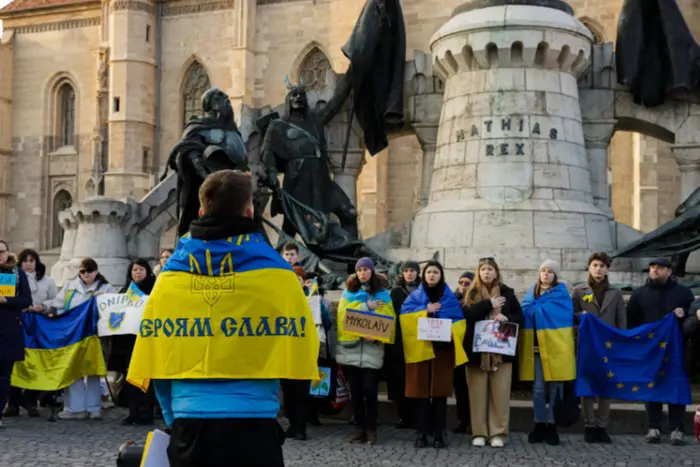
[(314, 70), (272, 2), (190, 7), (58, 25), (103, 70), (135, 5), (196, 82)]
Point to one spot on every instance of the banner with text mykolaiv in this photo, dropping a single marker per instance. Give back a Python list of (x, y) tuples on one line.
[(203, 320)]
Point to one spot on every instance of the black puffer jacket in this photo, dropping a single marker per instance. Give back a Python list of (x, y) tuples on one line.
[(653, 302)]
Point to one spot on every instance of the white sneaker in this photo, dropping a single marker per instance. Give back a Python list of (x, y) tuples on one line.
[(63, 415), (497, 442), (96, 415), (479, 442)]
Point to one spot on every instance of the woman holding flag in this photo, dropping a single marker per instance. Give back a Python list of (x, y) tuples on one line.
[(83, 397), (362, 358), (430, 365), (15, 296), (546, 347)]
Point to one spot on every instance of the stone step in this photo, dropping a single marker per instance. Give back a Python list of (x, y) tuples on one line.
[(625, 418)]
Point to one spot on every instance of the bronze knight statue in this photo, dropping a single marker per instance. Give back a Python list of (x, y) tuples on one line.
[(209, 143)]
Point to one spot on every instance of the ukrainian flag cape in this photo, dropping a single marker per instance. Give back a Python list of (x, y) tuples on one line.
[(553, 313), (357, 301), (59, 350), (415, 307), (225, 309)]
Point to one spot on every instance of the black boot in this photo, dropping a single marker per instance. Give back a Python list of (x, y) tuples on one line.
[(439, 441), (590, 435), (537, 434), (602, 436), (551, 436), (421, 440)]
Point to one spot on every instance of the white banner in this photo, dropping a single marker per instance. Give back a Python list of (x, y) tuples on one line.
[(119, 314)]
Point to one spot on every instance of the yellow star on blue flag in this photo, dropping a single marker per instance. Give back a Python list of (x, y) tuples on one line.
[(647, 364)]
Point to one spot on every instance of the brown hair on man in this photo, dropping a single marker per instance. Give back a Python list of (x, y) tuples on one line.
[(227, 193)]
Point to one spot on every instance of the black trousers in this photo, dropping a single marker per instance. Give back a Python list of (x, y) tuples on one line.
[(242, 442), (432, 415), (364, 386), (676, 413), (296, 402), (23, 397), (462, 394), (140, 403)]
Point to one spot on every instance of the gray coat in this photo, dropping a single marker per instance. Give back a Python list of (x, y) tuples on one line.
[(612, 311)]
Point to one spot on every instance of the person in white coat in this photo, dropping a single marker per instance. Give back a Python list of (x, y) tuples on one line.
[(43, 290), (83, 398)]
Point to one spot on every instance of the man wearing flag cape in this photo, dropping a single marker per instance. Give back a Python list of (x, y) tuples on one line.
[(225, 321)]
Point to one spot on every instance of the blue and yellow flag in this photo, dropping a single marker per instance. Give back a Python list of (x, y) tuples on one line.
[(134, 292), (358, 301), (225, 309), (640, 364), (552, 314), (59, 350), (415, 307)]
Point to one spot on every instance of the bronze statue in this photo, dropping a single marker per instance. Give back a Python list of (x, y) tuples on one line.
[(295, 145), (208, 144), (676, 239)]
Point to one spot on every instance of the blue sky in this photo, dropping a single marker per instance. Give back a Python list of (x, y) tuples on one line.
[(2, 4)]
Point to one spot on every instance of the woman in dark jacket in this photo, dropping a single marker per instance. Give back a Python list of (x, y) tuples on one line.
[(139, 282), (489, 375), (12, 303), (394, 360)]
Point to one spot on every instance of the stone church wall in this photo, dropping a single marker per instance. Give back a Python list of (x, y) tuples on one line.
[(5, 134)]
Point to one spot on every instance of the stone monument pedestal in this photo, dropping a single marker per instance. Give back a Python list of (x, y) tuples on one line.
[(511, 177)]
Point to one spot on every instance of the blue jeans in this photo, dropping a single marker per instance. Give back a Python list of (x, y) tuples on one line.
[(540, 390)]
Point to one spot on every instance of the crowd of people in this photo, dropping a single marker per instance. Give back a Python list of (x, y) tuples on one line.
[(420, 375)]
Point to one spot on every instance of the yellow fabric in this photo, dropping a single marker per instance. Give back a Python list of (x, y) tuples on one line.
[(255, 324), (54, 369), (420, 351), (556, 351), (149, 438), (343, 305)]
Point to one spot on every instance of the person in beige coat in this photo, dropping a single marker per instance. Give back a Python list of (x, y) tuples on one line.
[(597, 296)]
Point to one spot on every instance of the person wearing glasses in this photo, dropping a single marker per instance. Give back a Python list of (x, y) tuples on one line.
[(11, 307), (83, 398), (489, 375), (460, 375)]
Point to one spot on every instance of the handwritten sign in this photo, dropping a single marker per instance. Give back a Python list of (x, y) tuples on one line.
[(322, 387), (494, 337), (434, 329), (119, 314), (8, 285), (369, 325)]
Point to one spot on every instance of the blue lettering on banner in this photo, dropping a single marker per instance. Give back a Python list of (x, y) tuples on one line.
[(229, 327)]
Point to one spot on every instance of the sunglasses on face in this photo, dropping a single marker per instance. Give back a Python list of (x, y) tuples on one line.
[(464, 283), (3, 251), (86, 271), (487, 258)]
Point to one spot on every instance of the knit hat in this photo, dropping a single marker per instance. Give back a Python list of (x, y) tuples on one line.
[(364, 263), (553, 265), (410, 264), (299, 271), (468, 275)]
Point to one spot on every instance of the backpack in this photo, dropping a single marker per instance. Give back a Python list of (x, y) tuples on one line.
[(566, 405)]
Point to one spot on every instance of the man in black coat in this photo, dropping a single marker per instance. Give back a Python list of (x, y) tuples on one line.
[(659, 296)]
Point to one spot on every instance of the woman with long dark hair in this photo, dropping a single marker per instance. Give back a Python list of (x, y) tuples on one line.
[(140, 280), (12, 303), (43, 290)]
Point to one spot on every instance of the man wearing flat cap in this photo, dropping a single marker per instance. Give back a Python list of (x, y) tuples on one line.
[(659, 296)]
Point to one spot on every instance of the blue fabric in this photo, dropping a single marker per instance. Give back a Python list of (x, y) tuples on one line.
[(418, 301), (326, 317), (248, 252), (541, 390), (11, 334), (42, 332), (217, 399), (546, 310), (363, 296), (641, 364)]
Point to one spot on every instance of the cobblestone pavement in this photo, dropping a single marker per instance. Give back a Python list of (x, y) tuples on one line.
[(26, 442)]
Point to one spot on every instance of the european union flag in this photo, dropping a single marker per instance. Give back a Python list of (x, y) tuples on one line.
[(640, 364)]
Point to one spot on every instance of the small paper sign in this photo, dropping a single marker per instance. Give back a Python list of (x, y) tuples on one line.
[(8, 285), (434, 329), (369, 325), (323, 387), (496, 337)]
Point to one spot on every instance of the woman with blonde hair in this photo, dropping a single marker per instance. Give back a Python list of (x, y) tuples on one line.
[(489, 375), (546, 347)]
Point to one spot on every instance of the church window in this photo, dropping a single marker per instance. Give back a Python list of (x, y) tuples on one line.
[(61, 201), (66, 96), (314, 70), (195, 84)]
